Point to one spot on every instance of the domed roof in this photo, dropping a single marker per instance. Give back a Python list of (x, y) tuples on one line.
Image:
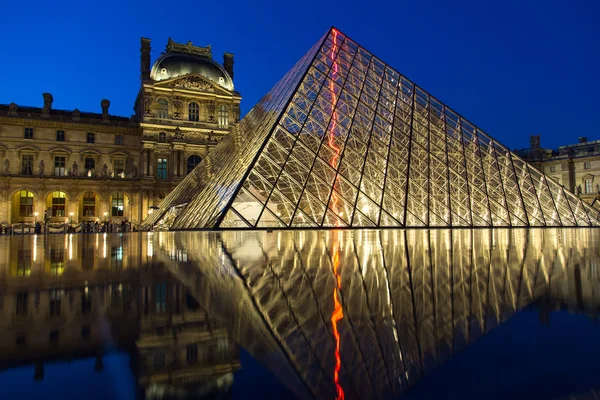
[(171, 65)]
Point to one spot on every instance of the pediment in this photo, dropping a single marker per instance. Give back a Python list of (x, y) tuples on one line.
[(27, 147), (119, 154), (63, 150), (193, 82), (91, 152)]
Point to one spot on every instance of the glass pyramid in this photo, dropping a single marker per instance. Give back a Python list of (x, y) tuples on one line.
[(344, 140)]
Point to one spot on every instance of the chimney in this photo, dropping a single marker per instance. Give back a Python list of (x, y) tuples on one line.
[(105, 104), (228, 63), (145, 59), (47, 104)]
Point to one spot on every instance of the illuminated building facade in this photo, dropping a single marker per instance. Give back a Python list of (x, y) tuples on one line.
[(73, 166), (344, 140), (574, 166)]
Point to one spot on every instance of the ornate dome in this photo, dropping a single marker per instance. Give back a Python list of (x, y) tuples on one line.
[(171, 65)]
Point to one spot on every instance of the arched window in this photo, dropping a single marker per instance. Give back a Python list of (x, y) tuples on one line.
[(163, 109), (118, 205), (193, 112), (223, 116), (25, 203), (192, 161), (59, 201), (162, 137)]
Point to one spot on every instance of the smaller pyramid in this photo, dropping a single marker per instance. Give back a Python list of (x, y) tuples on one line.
[(344, 140)]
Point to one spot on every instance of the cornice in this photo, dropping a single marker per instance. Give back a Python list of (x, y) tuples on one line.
[(72, 125)]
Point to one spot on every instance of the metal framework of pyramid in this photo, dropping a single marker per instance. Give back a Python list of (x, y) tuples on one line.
[(344, 140)]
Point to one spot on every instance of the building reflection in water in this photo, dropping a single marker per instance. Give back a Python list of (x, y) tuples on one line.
[(78, 296), (407, 301)]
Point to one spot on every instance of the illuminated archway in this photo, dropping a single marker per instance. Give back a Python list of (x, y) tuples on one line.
[(23, 206), (57, 205)]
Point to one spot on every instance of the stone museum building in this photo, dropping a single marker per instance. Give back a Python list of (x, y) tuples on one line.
[(71, 166)]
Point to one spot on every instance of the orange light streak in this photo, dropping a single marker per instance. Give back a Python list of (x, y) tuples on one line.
[(338, 313)]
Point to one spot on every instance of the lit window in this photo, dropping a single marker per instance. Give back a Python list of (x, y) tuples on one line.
[(161, 172), (119, 166), (163, 109), (223, 116), (89, 204), (60, 163), (60, 136), (162, 137), (91, 138), (587, 165), (27, 165), (89, 164), (28, 133), (193, 112), (192, 161), (119, 140), (118, 205), (57, 261), (59, 201), (588, 185), (25, 203)]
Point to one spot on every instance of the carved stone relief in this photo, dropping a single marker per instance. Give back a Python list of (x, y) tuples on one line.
[(195, 83)]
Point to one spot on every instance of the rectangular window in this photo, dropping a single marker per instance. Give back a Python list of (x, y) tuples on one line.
[(89, 204), (161, 297), (55, 299), (60, 136), (553, 168), (119, 166), (118, 205), (89, 164), (60, 164), (28, 133), (24, 263), (161, 168), (587, 165), (86, 301), (22, 302), (27, 165), (223, 116), (119, 140), (116, 255), (588, 186), (192, 354), (91, 138), (57, 261)]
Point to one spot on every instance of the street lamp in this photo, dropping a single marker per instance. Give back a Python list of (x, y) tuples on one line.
[(35, 215), (105, 215), (71, 215)]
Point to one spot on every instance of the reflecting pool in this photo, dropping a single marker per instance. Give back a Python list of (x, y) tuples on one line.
[(301, 314)]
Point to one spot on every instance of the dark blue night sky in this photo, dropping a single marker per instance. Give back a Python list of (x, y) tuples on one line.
[(514, 68)]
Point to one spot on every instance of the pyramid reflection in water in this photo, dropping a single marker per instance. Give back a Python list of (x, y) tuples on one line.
[(345, 140), (407, 301)]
